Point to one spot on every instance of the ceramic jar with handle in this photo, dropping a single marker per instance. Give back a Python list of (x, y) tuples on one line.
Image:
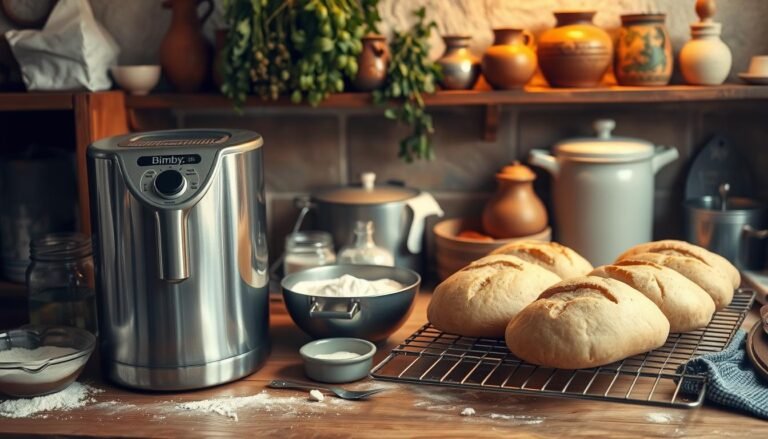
[(603, 191), (576, 53), (185, 53), (514, 210), (372, 63), (511, 61), (461, 68), (643, 51)]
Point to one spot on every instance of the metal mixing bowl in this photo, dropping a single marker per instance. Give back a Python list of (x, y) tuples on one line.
[(372, 318), (41, 377)]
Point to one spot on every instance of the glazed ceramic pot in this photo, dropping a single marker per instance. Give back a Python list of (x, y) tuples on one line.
[(510, 62), (372, 63), (185, 55), (705, 59), (460, 68), (643, 51), (576, 53), (514, 210)]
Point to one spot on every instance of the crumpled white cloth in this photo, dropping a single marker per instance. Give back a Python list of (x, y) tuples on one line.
[(73, 51)]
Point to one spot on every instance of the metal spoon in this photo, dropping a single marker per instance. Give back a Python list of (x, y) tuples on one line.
[(338, 391)]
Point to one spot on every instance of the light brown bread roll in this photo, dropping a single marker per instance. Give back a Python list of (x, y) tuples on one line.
[(684, 304), (586, 322), (709, 279), (555, 257), (481, 298), (682, 248)]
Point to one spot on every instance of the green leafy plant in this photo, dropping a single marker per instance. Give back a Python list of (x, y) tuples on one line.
[(410, 74)]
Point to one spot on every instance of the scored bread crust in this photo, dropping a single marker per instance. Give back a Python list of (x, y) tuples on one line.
[(481, 298), (557, 258), (586, 322), (709, 279), (686, 305), (682, 248)]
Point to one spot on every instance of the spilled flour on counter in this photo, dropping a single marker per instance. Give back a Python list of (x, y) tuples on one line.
[(519, 419), (75, 396), (660, 418)]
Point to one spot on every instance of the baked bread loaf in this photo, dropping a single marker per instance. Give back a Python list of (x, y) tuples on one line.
[(714, 282), (682, 248), (481, 298), (586, 322), (555, 257), (684, 304)]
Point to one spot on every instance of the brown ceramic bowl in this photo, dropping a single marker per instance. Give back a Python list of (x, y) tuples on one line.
[(454, 253)]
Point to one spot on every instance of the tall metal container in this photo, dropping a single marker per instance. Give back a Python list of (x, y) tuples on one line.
[(180, 249)]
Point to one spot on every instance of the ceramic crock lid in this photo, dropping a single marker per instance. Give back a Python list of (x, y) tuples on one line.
[(516, 172), (604, 147), (366, 193)]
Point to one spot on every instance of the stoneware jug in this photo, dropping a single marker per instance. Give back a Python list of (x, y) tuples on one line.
[(184, 53), (643, 51), (603, 191), (510, 62), (461, 69), (705, 59), (372, 63), (576, 53), (514, 210)]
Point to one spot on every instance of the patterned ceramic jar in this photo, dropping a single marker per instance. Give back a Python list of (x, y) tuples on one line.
[(643, 51)]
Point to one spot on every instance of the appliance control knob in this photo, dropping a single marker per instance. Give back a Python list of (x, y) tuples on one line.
[(170, 184)]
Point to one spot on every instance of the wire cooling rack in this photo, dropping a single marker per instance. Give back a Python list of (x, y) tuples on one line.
[(430, 356)]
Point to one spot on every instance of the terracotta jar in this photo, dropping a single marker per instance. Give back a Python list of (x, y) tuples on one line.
[(643, 51), (705, 59), (514, 210), (460, 68), (510, 62), (576, 53), (184, 53), (372, 63)]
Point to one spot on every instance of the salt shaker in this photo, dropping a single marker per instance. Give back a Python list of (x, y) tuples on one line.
[(362, 249)]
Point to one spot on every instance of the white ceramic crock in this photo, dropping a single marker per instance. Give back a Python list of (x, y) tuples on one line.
[(603, 191)]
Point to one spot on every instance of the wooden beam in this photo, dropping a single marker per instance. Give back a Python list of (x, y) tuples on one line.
[(491, 122)]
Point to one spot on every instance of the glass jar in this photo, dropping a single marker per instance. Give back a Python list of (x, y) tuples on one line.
[(60, 281), (363, 250), (307, 249)]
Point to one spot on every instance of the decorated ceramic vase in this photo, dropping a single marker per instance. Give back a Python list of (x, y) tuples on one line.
[(643, 51), (576, 53)]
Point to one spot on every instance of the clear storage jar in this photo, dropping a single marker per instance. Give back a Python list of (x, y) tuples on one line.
[(60, 281), (307, 249)]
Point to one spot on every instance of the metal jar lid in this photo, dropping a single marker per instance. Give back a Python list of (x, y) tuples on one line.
[(604, 148), (366, 193)]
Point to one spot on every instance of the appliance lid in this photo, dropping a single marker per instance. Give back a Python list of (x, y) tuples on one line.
[(366, 193), (604, 147), (170, 140)]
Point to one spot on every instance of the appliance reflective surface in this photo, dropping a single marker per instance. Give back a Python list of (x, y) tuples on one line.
[(181, 257)]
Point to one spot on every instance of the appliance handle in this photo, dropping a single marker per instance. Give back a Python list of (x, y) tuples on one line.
[(422, 205), (544, 159), (754, 233), (353, 307), (663, 156), (172, 254)]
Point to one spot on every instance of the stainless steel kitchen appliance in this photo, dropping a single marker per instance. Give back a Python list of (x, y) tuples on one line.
[(181, 256)]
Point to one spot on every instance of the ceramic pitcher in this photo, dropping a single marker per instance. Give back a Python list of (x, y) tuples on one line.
[(510, 62), (184, 53), (372, 63)]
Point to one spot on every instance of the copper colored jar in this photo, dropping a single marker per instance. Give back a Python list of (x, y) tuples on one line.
[(185, 53), (576, 53), (372, 63), (460, 68), (514, 210), (643, 51), (510, 62)]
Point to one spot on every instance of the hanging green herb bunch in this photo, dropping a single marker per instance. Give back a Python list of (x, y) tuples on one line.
[(410, 74)]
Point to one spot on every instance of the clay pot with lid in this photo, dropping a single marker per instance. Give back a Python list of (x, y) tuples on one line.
[(576, 53), (461, 68), (511, 61), (514, 210), (372, 63)]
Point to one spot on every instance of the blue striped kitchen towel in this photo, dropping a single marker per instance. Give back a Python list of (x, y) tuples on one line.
[(732, 382)]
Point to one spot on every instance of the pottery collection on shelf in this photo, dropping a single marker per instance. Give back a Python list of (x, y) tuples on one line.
[(460, 67), (643, 51), (510, 62)]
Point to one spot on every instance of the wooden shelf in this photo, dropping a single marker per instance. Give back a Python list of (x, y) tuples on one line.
[(35, 101), (527, 96)]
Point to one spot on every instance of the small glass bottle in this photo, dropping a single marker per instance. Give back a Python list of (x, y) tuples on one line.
[(60, 281), (307, 249), (363, 250)]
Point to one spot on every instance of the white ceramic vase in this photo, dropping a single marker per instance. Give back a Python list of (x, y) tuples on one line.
[(705, 59)]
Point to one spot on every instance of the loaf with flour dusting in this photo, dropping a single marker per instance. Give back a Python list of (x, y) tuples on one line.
[(555, 257), (481, 298), (586, 322)]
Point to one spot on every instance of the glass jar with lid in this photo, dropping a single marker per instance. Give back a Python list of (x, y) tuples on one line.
[(307, 249), (60, 281), (363, 250)]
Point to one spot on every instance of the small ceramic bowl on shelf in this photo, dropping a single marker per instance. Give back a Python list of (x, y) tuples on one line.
[(337, 360), (38, 360), (138, 80)]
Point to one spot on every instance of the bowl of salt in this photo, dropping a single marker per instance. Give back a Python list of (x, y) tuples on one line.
[(38, 360), (337, 360)]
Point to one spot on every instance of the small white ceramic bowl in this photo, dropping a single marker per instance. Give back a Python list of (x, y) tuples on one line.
[(138, 80)]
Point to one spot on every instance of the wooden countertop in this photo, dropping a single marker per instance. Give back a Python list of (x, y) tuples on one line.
[(402, 411)]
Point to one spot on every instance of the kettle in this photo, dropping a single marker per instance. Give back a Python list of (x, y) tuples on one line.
[(603, 191)]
